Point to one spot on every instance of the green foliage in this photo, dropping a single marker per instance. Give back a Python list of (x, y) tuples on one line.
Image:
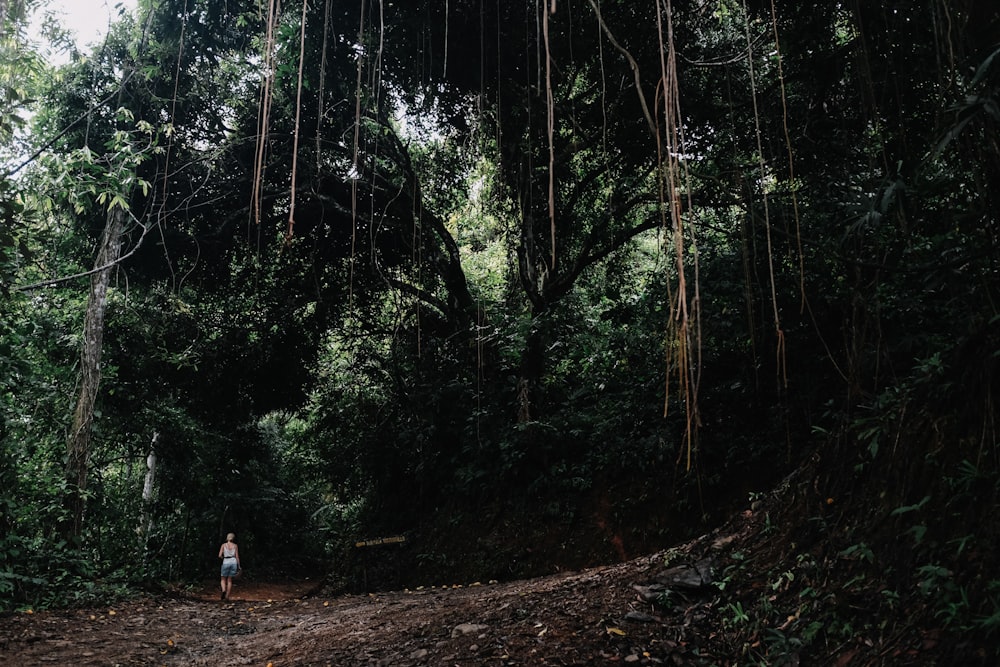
[(88, 180), (737, 615)]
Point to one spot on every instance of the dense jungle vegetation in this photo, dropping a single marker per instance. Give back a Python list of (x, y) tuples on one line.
[(536, 284)]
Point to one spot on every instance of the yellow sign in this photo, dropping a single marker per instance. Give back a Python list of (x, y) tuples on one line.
[(382, 540)]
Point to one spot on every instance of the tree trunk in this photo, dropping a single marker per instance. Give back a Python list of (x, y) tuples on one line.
[(78, 443), (149, 484)]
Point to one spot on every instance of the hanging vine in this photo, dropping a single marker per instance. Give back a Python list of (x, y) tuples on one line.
[(684, 328), (550, 126), (264, 117), (355, 167), (762, 166), (298, 118), (791, 158), (161, 213), (321, 90)]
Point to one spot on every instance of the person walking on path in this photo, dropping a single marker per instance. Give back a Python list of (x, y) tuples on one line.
[(230, 555)]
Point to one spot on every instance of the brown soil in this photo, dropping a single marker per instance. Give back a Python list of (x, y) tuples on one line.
[(590, 617)]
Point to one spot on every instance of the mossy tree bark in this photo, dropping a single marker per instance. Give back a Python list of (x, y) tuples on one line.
[(78, 443)]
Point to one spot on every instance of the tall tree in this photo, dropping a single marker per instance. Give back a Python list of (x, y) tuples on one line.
[(116, 196), (78, 443)]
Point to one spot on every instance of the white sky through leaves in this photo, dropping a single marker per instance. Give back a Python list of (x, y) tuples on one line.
[(87, 19)]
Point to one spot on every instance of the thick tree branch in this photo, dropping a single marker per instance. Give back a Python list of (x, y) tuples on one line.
[(421, 294)]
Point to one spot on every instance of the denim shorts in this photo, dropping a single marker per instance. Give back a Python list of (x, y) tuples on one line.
[(229, 567)]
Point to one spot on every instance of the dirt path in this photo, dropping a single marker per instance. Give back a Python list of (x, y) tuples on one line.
[(577, 618), (612, 615)]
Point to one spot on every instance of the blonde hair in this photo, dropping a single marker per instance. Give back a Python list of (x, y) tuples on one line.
[(230, 537)]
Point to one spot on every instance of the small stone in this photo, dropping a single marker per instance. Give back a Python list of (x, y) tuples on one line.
[(651, 593), (689, 577), (467, 629), (419, 654), (632, 658)]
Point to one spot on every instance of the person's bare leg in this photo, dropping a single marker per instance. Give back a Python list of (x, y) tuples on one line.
[(223, 583), (229, 586)]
